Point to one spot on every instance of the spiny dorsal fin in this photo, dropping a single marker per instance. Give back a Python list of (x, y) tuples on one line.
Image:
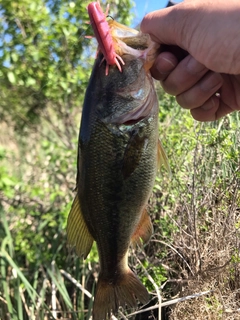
[(78, 235), (144, 229)]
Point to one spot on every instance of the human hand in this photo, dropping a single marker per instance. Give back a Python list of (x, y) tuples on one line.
[(191, 78)]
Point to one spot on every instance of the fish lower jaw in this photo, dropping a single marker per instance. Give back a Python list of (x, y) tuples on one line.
[(149, 54), (125, 49)]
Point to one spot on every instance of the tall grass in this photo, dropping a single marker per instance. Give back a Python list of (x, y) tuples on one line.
[(194, 248)]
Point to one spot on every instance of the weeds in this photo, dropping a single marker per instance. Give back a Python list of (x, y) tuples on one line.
[(194, 248)]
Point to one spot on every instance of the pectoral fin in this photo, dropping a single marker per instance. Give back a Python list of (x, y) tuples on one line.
[(133, 154), (144, 229), (78, 235), (162, 157)]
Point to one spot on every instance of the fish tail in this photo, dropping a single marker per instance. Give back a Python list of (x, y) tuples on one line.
[(110, 295)]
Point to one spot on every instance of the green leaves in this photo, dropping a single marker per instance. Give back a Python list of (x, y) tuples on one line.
[(45, 64), (45, 54), (11, 77)]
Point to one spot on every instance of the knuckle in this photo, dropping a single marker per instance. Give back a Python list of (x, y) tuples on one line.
[(169, 87), (184, 101)]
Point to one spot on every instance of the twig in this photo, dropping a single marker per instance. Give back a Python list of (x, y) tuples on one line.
[(21, 27), (231, 311), (40, 297), (3, 300), (168, 303), (54, 300), (121, 314), (24, 301), (156, 288), (74, 281), (87, 293), (194, 204), (168, 245)]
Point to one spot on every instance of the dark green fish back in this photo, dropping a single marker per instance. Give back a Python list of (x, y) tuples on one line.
[(118, 161), (117, 165)]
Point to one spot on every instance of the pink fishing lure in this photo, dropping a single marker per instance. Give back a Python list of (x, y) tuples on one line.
[(103, 35)]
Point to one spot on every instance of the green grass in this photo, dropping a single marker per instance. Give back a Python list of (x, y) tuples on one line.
[(195, 245)]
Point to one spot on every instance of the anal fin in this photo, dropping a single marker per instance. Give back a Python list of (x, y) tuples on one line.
[(78, 235), (143, 230)]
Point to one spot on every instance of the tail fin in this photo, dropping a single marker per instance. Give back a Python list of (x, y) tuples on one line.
[(109, 296)]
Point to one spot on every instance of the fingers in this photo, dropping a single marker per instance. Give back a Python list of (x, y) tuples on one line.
[(187, 73), (201, 91), (224, 103), (207, 112), (164, 65), (213, 109), (190, 81), (193, 85)]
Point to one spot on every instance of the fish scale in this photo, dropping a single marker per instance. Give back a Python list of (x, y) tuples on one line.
[(117, 165)]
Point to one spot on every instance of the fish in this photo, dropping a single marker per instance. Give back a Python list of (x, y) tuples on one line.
[(118, 156)]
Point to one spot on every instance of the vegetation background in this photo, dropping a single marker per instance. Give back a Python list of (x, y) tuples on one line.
[(45, 64)]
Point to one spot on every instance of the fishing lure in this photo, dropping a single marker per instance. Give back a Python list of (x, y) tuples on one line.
[(102, 32)]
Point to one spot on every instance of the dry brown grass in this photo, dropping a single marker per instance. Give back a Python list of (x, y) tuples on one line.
[(204, 252), (196, 215)]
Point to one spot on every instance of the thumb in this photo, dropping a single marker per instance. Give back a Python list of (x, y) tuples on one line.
[(166, 26)]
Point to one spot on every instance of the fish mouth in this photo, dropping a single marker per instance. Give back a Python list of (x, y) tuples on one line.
[(128, 41), (116, 40), (129, 36)]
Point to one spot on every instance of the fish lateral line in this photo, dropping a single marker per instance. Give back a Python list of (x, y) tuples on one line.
[(102, 33)]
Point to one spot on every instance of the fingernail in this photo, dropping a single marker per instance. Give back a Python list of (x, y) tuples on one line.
[(165, 66), (212, 81), (169, 61), (194, 66)]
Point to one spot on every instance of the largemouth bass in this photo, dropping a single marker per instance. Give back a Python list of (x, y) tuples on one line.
[(118, 153)]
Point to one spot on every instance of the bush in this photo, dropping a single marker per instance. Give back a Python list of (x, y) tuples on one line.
[(195, 245)]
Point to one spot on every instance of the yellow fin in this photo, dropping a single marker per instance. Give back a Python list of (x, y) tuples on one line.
[(78, 235), (144, 229), (162, 158)]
